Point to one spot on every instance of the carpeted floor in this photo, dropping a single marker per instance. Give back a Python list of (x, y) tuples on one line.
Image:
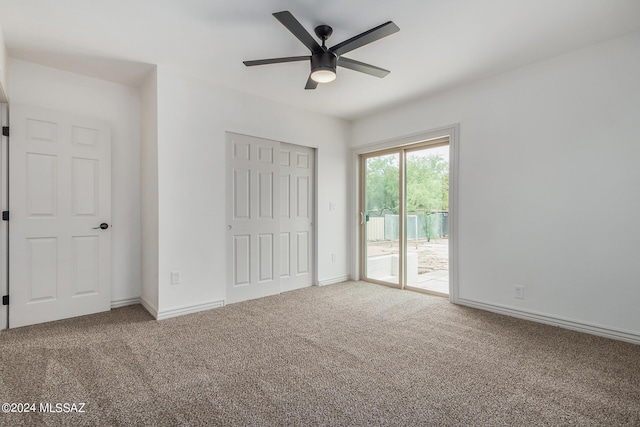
[(346, 354)]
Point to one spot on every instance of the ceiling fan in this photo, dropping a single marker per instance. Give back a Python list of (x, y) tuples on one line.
[(324, 60)]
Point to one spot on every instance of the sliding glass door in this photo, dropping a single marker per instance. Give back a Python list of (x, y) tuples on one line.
[(404, 216), (427, 218), (380, 218)]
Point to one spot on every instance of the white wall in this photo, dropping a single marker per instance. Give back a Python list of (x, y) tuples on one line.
[(193, 116), (149, 188), (548, 183), (3, 69), (45, 87)]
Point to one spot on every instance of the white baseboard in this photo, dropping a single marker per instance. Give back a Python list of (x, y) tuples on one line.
[(332, 281), (180, 311), (149, 307), (124, 302), (573, 325)]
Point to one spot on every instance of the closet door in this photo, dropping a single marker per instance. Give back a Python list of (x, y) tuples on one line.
[(296, 216), (253, 212)]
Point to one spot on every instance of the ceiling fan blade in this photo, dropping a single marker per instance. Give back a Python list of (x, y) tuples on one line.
[(292, 24), (362, 67), (275, 60), (311, 84), (367, 37)]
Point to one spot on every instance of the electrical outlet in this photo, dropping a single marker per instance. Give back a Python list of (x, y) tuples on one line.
[(175, 277), (518, 292), (334, 257)]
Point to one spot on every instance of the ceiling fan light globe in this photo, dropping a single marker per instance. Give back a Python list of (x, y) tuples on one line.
[(323, 76)]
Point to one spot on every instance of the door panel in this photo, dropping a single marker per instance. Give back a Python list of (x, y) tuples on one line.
[(265, 257), (285, 254), (296, 223), (41, 130), (303, 253), (241, 193), (60, 266), (303, 197), (427, 207), (86, 256), (41, 188), (253, 262), (381, 230), (42, 256), (265, 189), (285, 196), (86, 187), (84, 136), (242, 259)]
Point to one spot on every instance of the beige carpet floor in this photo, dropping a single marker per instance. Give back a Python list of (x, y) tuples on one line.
[(346, 354)]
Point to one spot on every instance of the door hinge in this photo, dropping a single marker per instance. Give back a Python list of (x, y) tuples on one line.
[(5, 300), (5, 215), (5, 130)]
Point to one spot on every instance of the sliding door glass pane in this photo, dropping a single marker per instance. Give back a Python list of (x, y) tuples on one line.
[(427, 189), (382, 224)]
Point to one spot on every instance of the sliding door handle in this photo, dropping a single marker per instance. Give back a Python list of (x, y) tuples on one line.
[(361, 218)]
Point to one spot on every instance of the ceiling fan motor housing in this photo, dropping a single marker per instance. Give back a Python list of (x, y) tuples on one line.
[(324, 61)]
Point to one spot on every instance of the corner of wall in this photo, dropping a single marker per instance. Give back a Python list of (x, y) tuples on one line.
[(149, 187)]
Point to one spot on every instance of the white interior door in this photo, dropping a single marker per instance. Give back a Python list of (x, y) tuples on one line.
[(253, 218), (296, 216), (59, 192)]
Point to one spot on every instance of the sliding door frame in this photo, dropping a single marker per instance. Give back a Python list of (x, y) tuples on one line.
[(401, 220), (410, 142), (434, 143)]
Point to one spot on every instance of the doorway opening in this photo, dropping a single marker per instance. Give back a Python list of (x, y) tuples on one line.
[(404, 209)]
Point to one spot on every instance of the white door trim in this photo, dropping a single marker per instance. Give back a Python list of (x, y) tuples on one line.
[(453, 132), (4, 206)]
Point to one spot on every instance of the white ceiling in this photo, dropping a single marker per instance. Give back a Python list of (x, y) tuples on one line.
[(441, 43)]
